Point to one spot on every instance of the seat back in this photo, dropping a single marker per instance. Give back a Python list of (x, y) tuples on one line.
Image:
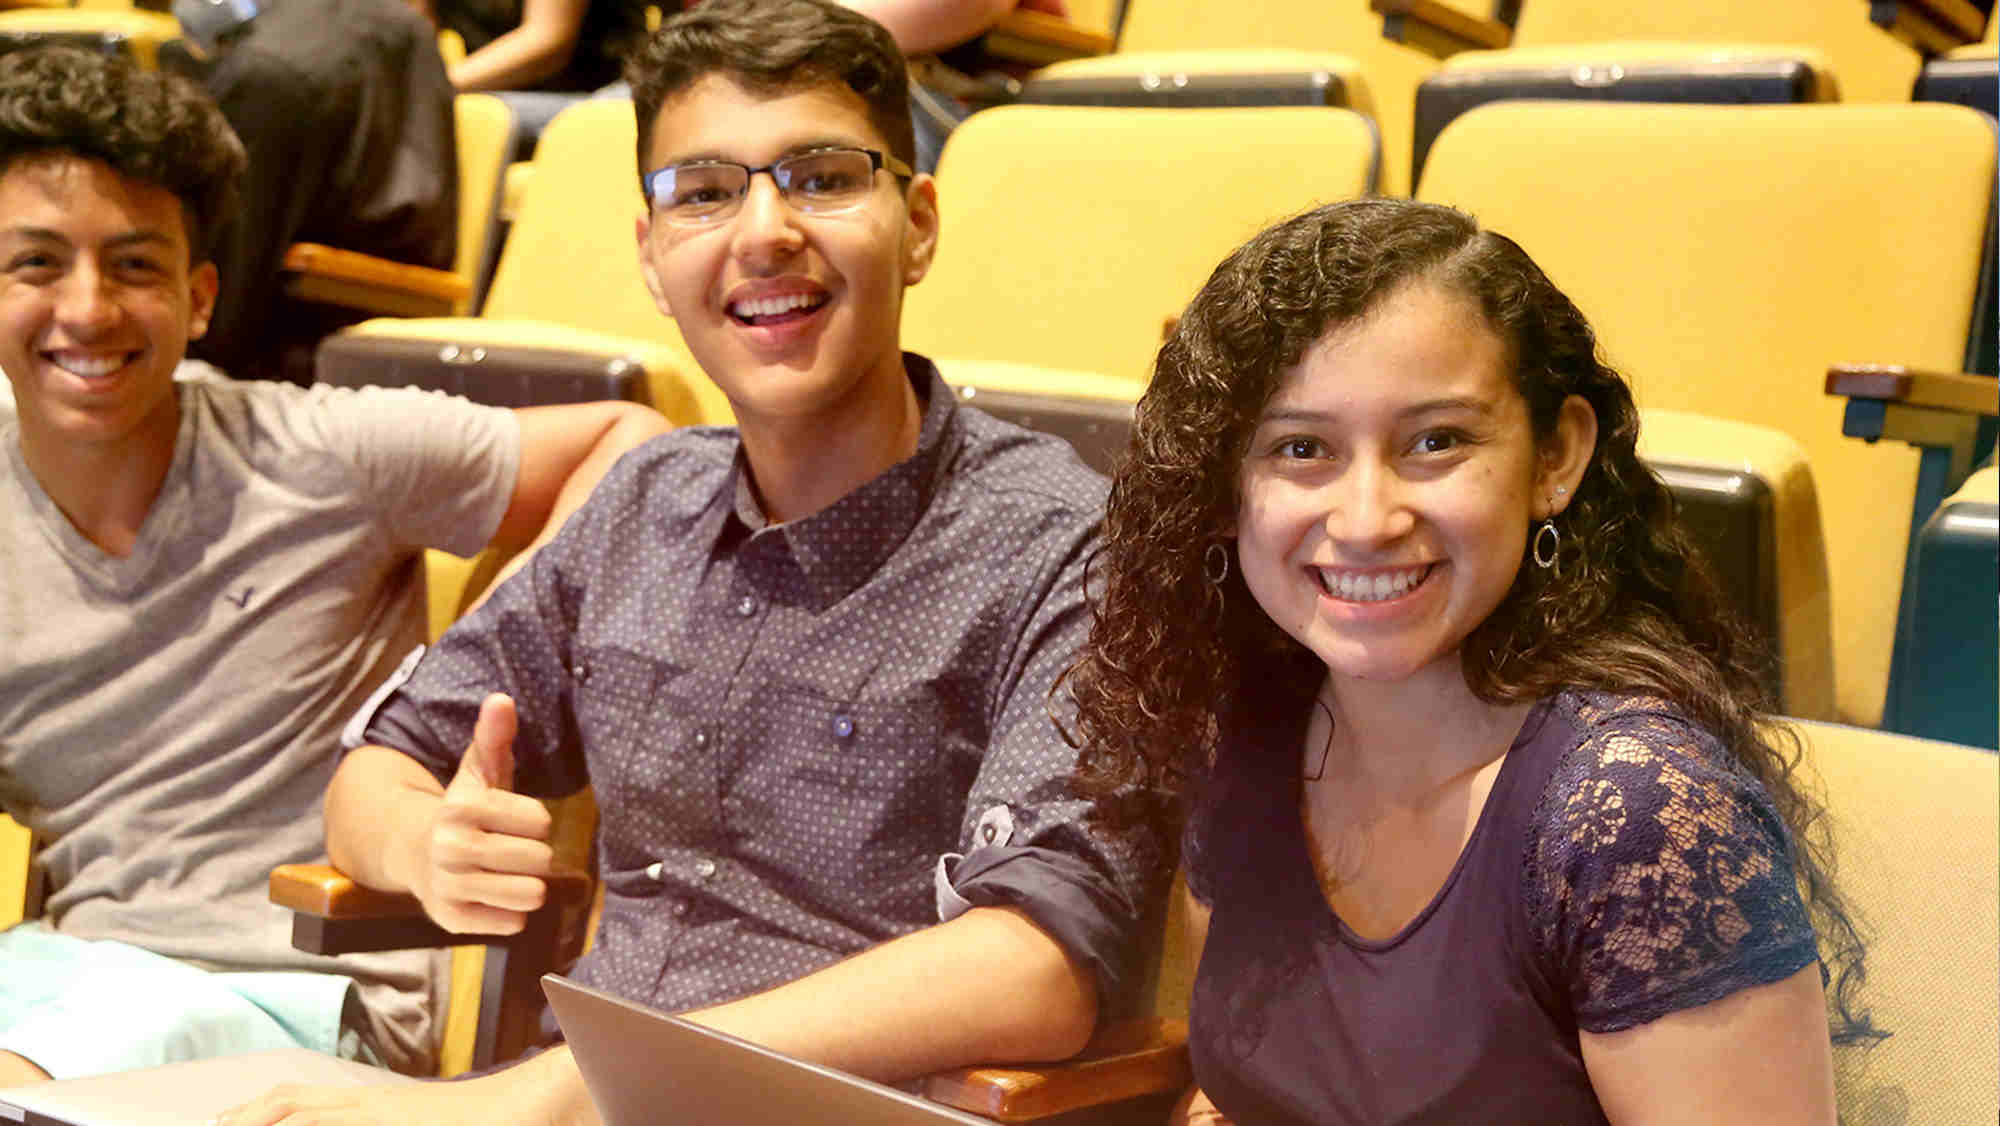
[(486, 129), (1718, 254), (1724, 74), (1944, 682), (568, 276), (1872, 64), (1391, 70), (1070, 234), (1746, 495), (1218, 78), (571, 257), (1093, 413), (16, 869), (1914, 824), (126, 31), (1970, 77)]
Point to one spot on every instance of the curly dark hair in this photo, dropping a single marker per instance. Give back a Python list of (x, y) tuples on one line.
[(772, 47), (157, 128), (1632, 608)]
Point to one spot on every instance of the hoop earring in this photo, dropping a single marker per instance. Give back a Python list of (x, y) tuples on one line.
[(1215, 564), (1552, 562)]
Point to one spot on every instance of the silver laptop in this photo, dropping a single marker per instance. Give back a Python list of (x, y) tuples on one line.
[(643, 1066), (180, 1094)]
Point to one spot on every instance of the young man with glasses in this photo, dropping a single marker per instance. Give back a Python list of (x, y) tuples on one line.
[(805, 662)]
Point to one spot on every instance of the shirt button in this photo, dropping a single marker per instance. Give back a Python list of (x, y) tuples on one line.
[(746, 606), (581, 672), (680, 908), (701, 738), (656, 871), (705, 868), (843, 726)]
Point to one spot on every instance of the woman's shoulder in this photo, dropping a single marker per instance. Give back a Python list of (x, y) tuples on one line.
[(1658, 871)]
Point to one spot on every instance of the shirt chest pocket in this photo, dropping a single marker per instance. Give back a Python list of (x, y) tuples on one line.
[(613, 690), (849, 796)]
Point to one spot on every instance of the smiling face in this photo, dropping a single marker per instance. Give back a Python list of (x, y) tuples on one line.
[(1390, 484), (794, 316), (98, 301)]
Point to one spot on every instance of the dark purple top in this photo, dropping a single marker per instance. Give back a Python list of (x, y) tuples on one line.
[(1623, 868)]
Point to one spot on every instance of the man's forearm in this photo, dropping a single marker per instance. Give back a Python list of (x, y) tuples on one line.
[(989, 986), (377, 800)]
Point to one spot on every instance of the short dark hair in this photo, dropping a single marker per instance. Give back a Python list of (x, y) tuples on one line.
[(160, 129), (771, 47)]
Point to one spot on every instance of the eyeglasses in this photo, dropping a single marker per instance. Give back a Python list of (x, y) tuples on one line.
[(820, 182)]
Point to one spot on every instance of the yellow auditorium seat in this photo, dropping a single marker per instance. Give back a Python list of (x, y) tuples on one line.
[(1217, 78), (1092, 412), (1070, 234), (1619, 71), (130, 30), (17, 900), (1728, 256), (1914, 827), (486, 128), (1746, 494), (1389, 71), (1872, 64), (1934, 27), (567, 283)]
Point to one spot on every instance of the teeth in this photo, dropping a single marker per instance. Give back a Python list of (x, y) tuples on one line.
[(772, 306), (89, 367), (1374, 587)]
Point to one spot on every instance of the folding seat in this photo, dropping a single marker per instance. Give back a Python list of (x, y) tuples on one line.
[(114, 31), (1092, 412), (567, 316), (1746, 495), (19, 896), (1913, 824), (1728, 256), (1700, 51), (1934, 26), (1944, 679), (1970, 76), (1966, 76), (1072, 233), (1618, 72), (1871, 64), (486, 130), (1180, 53)]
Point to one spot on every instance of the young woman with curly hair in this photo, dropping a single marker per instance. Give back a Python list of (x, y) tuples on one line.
[(1479, 792)]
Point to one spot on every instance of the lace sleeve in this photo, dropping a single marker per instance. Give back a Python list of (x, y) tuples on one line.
[(1660, 877)]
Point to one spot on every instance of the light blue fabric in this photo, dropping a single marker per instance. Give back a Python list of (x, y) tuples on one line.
[(75, 1007)]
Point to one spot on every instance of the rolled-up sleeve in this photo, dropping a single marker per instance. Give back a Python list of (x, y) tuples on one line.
[(518, 643), (1026, 838)]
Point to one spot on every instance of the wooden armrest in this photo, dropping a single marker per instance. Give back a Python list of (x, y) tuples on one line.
[(363, 281), (331, 914), (1438, 28), (1931, 26), (1935, 390), (1037, 38), (1124, 1060)]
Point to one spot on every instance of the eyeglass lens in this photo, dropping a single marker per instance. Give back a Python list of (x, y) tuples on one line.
[(815, 182)]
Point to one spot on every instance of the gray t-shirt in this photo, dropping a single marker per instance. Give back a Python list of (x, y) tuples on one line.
[(169, 720)]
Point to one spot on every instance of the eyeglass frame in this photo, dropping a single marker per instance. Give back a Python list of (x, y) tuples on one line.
[(877, 161)]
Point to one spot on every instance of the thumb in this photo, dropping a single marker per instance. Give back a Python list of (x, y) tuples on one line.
[(489, 761)]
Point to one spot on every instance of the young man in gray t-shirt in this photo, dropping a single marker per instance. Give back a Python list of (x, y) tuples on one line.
[(199, 581)]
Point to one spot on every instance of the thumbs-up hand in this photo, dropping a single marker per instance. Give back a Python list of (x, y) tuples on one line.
[(487, 850)]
